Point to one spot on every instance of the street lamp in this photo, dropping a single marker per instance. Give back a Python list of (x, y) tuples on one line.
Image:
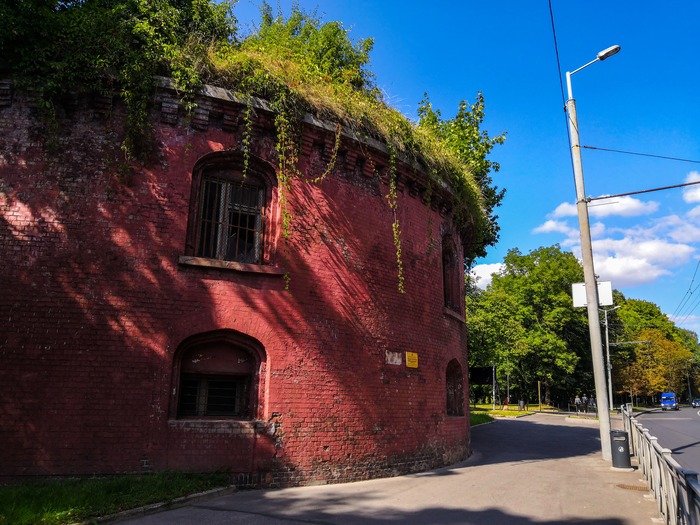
[(587, 256), (607, 352), (687, 375)]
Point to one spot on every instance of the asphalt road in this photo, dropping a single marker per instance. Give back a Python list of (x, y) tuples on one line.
[(678, 431)]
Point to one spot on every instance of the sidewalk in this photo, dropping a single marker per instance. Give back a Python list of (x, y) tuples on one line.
[(540, 469)]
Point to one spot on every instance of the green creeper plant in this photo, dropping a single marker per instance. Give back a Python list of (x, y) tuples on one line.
[(298, 63)]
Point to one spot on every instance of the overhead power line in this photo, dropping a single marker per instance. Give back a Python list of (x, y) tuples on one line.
[(556, 52), (688, 293), (683, 305), (642, 154), (589, 199)]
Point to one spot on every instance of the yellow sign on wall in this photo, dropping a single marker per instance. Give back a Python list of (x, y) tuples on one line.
[(411, 360)]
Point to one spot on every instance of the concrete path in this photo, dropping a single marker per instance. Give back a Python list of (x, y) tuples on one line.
[(540, 469)]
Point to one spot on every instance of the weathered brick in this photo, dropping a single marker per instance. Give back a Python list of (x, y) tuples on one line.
[(95, 305)]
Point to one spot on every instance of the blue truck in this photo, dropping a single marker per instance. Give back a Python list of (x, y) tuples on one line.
[(669, 401)]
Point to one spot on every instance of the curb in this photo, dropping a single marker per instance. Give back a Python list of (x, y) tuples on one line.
[(153, 508)]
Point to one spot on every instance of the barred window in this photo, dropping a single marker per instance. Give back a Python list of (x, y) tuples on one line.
[(230, 220), (217, 378), (202, 395), (451, 275), (454, 381)]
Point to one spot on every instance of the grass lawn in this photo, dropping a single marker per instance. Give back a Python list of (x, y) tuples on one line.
[(58, 502), (485, 413)]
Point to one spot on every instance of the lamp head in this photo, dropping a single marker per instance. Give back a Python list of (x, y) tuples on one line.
[(607, 53)]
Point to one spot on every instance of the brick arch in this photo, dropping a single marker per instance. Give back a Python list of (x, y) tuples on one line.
[(236, 159), (234, 168), (219, 355)]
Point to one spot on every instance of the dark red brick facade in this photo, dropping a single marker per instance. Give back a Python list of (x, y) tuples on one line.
[(103, 297)]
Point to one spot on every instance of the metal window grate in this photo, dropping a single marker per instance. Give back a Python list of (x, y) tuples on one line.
[(201, 395), (454, 382), (449, 284), (231, 220)]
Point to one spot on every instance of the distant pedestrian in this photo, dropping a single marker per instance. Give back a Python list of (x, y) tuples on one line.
[(584, 402), (591, 403), (577, 403)]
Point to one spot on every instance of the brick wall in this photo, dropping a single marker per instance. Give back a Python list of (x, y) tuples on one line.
[(96, 302)]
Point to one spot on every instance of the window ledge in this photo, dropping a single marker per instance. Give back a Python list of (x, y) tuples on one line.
[(218, 426), (449, 312), (202, 262)]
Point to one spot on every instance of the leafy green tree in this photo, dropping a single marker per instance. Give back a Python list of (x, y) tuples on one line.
[(638, 315), (689, 339), (660, 365), (526, 320), (464, 138), (299, 64), (56, 47), (649, 353), (525, 323), (325, 48), (495, 334)]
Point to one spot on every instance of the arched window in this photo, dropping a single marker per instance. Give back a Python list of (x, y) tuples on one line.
[(229, 209), (230, 218), (217, 376), (451, 275), (454, 382)]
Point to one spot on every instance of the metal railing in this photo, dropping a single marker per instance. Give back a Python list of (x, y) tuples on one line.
[(675, 489)]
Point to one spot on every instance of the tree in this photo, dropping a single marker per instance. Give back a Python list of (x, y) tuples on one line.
[(526, 320), (662, 355), (325, 48), (637, 315), (660, 365), (464, 138), (56, 47), (525, 323), (300, 65), (496, 333)]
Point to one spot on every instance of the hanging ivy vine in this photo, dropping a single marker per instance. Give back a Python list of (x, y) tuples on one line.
[(298, 63), (392, 197)]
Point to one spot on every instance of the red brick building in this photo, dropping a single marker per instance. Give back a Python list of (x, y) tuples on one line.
[(164, 317)]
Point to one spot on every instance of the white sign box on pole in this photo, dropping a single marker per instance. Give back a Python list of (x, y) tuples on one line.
[(578, 291)]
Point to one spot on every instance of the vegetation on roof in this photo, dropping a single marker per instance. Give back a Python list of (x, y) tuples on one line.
[(300, 63)]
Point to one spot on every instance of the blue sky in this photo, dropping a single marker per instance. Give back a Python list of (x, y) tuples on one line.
[(644, 100)]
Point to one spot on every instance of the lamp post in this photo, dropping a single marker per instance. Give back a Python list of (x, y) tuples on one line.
[(587, 256), (607, 353), (687, 375)]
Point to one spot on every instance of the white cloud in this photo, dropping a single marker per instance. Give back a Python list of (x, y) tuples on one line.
[(630, 256), (573, 235), (565, 209), (687, 321), (551, 226), (621, 207), (691, 194), (484, 272), (685, 233), (627, 270), (681, 230), (632, 261), (614, 206), (657, 252), (597, 230)]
